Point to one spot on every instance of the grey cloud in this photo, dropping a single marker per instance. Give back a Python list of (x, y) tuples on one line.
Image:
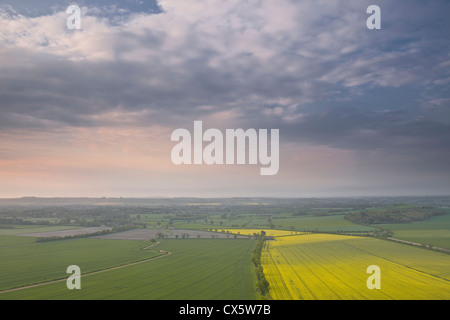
[(311, 68), (360, 129), (34, 8)]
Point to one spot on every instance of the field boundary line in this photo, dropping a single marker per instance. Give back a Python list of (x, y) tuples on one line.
[(164, 254), (400, 264), (420, 245)]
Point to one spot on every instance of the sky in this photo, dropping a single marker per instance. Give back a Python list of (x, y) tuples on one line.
[(90, 112)]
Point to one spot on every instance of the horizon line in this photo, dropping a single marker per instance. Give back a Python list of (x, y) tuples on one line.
[(223, 197)]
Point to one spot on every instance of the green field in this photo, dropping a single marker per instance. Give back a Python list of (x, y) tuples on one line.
[(195, 269), (328, 223), (39, 262), (23, 229), (434, 231), (6, 241), (9, 236)]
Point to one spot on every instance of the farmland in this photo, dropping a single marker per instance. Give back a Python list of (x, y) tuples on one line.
[(269, 232), (12, 234), (203, 249), (39, 262), (323, 266), (434, 231), (65, 233), (195, 269)]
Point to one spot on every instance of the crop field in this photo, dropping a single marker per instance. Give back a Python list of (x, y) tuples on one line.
[(269, 232), (27, 229), (7, 240), (434, 231), (39, 262), (319, 223), (11, 236), (190, 269), (332, 267), (65, 233)]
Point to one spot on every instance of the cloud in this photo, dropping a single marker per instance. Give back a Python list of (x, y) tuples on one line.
[(310, 68), (239, 55)]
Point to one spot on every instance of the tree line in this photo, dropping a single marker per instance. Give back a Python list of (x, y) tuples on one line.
[(262, 286)]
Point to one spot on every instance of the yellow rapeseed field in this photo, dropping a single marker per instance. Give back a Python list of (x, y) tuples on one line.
[(269, 232), (331, 267)]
